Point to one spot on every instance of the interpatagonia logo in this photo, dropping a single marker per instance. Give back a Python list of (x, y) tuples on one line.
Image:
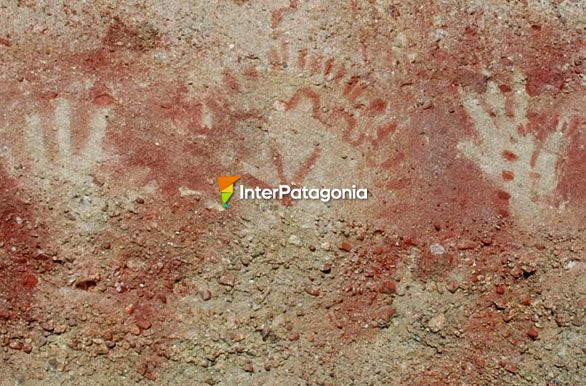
[(226, 184)]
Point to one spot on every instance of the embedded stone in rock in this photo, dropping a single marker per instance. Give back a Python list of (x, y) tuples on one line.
[(142, 323), (228, 280), (437, 249), (388, 287), (205, 294), (345, 246), (436, 324), (295, 240), (86, 282), (382, 316), (326, 267), (313, 291), (533, 333)]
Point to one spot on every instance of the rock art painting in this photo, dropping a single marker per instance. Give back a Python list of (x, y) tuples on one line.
[(124, 262)]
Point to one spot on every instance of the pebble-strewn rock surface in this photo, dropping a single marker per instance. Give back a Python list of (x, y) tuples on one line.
[(466, 121)]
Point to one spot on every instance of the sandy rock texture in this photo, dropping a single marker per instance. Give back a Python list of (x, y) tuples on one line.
[(466, 121)]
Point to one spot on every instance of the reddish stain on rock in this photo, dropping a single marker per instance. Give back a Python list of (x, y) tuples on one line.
[(5, 42), (20, 261), (508, 175), (29, 281), (502, 195), (278, 15), (510, 156), (572, 185)]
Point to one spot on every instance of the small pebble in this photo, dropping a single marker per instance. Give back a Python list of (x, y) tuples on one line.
[(205, 294)]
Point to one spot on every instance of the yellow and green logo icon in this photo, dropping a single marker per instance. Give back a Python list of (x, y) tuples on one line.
[(226, 184)]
